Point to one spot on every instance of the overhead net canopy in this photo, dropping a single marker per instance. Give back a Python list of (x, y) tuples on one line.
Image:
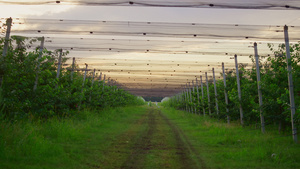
[(236, 4), (156, 58)]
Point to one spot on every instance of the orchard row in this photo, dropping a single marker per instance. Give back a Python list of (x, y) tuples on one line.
[(263, 95), (36, 83)]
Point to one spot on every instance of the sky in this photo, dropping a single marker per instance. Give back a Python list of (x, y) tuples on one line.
[(154, 14), (158, 61)]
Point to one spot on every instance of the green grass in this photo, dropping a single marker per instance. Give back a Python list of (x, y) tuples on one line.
[(88, 139), (63, 143), (231, 146)]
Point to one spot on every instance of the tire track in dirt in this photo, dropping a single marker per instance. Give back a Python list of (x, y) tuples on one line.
[(153, 141), (119, 149), (184, 147), (142, 146)]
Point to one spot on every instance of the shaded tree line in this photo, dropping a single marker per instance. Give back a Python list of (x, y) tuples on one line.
[(52, 96)]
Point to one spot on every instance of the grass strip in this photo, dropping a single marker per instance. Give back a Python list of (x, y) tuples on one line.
[(232, 146), (76, 142)]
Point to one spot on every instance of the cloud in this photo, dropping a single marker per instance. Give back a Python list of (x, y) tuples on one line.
[(21, 11)]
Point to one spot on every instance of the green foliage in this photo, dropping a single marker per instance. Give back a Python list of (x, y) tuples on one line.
[(53, 96), (274, 87)]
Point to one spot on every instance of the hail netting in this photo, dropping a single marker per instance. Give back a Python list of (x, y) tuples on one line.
[(234, 4), (150, 37), (152, 55)]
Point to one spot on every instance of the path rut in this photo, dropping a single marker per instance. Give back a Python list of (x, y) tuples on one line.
[(153, 142)]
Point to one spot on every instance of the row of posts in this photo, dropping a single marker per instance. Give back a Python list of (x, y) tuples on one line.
[(187, 90), (110, 82)]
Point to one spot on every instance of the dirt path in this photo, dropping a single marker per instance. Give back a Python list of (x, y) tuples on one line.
[(152, 142)]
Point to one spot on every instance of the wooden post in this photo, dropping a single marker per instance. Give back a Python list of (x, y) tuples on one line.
[(6, 42), (208, 98), (262, 121), (85, 72), (195, 104), (104, 80), (100, 77), (216, 95), (73, 66), (225, 94), (58, 67), (38, 64), (59, 64), (197, 89), (202, 96), (182, 98), (239, 89), (84, 77), (188, 98), (185, 98), (191, 97), (290, 81), (93, 79)]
